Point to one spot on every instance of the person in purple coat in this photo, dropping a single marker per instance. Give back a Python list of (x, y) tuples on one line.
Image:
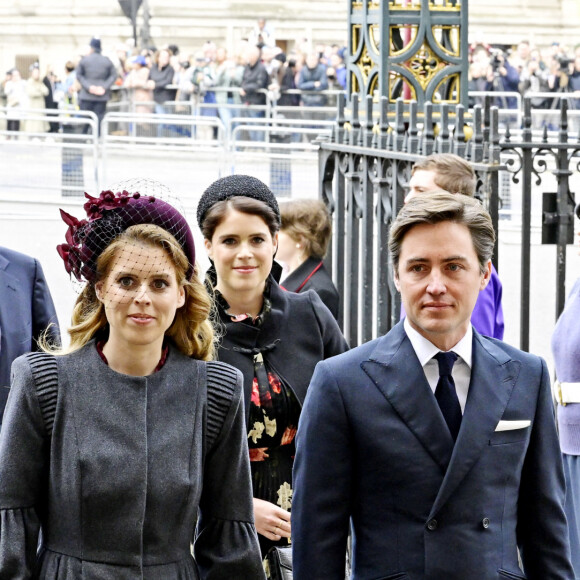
[(449, 172)]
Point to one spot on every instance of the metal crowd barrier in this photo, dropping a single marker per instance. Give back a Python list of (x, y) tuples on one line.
[(548, 115), (282, 137), (280, 151), (507, 115), (279, 133), (156, 129), (65, 162), (195, 105)]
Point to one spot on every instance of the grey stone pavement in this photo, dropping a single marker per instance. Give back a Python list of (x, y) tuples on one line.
[(30, 196)]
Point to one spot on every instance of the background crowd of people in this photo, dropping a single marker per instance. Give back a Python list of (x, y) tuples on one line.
[(219, 80), (526, 69), (224, 84)]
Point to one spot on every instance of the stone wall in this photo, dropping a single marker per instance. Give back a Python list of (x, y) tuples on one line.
[(539, 21)]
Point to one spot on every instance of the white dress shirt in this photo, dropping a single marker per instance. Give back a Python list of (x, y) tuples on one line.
[(426, 350)]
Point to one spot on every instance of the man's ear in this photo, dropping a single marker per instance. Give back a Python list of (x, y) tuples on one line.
[(486, 276), (396, 280)]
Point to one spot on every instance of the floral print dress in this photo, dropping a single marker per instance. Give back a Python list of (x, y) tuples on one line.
[(274, 412), (273, 420)]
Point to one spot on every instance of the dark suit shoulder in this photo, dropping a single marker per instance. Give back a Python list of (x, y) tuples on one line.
[(17, 258), (323, 285), (353, 357), (499, 349), (305, 309), (312, 275)]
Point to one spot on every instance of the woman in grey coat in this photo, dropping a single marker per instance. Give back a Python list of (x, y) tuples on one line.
[(128, 447)]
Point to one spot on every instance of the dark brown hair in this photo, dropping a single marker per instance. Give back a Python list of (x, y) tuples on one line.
[(218, 211)]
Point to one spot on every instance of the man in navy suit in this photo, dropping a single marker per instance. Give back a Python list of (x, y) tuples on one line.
[(26, 311), (447, 468)]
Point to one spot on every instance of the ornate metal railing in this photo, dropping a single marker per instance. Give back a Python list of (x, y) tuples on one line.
[(413, 49), (529, 160), (364, 170)]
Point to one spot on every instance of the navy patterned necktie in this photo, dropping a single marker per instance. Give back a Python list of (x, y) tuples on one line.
[(446, 394)]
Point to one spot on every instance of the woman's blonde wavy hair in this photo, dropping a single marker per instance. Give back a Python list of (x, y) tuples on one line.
[(191, 330)]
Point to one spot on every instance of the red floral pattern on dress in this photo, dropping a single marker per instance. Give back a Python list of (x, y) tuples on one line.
[(266, 399), (288, 435), (255, 392), (274, 383), (258, 454)]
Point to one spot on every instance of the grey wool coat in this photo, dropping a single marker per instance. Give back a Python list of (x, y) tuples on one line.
[(120, 484)]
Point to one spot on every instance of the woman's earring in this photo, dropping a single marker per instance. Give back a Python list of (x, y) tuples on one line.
[(298, 246)]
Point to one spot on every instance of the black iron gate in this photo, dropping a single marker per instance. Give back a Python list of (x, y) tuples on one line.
[(365, 168)]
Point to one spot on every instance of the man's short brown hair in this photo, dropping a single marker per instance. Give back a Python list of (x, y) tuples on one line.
[(433, 208), (452, 173)]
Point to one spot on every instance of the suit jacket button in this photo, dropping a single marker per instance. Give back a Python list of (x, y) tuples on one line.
[(485, 523), (432, 525)]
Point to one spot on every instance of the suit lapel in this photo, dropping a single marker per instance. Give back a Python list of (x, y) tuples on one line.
[(493, 377), (395, 370), (8, 289), (8, 283)]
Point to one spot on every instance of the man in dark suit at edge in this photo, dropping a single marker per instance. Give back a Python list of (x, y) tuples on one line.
[(437, 444), (26, 312)]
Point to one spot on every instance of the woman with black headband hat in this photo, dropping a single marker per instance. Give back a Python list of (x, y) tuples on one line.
[(128, 446), (274, 337)]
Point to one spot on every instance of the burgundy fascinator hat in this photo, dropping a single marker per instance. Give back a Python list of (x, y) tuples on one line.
[(111, 214)]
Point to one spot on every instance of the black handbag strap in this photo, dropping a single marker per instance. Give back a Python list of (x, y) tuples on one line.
[(45, 375)]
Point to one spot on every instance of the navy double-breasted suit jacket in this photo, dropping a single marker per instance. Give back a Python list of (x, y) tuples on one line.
[(26, 311), (373, 449)]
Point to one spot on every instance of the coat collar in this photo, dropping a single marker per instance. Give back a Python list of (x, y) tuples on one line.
[(250, 336), (4, 262), (395, 370), (6, 279), (294, 279)]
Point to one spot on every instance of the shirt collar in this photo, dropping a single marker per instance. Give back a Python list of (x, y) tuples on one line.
[(224, 308), (426, 350)]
